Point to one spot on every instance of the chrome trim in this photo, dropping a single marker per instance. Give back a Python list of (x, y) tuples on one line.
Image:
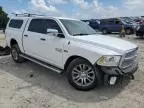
[(44, 65), (132, 59)]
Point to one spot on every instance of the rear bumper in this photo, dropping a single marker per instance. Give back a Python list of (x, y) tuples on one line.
[(120, 72)]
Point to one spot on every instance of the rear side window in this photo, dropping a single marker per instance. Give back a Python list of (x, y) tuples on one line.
[(37, 25), (110, 22), (15, 23)]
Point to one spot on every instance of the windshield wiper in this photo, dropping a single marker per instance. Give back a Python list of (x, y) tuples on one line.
[(80, 34)]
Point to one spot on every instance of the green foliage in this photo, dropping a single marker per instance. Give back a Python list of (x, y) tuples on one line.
[(3, 19)]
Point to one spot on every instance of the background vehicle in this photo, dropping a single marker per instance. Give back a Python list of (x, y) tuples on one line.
[(115, 25), (140, 31), (94, 23), (71, 46)]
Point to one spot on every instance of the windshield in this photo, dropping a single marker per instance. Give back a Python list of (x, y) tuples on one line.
[(75, 27)]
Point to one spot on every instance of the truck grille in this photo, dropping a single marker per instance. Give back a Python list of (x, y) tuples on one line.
[(129, 59)]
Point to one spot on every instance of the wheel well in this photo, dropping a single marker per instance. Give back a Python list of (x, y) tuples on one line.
[(131, 30), (105, 29), (70, 59), (128, 28), (13, 42)]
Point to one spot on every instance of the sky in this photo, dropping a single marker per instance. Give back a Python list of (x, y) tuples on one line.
[(81, 9)]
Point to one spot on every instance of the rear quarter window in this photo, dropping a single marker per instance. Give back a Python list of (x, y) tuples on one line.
[(15, 23)]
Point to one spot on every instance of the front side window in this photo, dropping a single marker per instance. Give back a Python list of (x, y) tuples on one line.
[(110, 22), (75, 27), (52, 24), (41, 25), (15, 23)]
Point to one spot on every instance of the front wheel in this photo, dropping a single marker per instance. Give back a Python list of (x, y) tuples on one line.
[(104, 31), (82, 75)]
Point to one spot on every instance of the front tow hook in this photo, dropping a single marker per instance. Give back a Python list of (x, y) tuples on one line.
[(110, 80), (132, 77)]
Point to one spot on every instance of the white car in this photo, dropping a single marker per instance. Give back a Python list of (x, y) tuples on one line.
[(71, 46)]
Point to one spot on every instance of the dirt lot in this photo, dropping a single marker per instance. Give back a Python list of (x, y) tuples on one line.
[(29, 85)]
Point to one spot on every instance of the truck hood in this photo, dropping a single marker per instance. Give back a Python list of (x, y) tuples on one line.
[(107, 42)]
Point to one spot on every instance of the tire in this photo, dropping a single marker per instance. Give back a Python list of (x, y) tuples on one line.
[(109, 32), (104, 31), (79, 79), (128, 31), (15, 53), (141, 37)]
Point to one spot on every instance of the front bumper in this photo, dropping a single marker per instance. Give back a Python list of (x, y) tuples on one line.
[(120, 72)]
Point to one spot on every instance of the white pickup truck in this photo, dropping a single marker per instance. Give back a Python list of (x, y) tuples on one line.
[(71, 46)]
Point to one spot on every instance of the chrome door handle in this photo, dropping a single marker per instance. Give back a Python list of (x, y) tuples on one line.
[(25, 35), (43, 39)]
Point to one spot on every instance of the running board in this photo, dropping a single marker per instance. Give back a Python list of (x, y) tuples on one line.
[(46, 65)]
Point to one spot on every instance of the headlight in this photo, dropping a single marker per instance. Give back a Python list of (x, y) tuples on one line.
[(109, 60)]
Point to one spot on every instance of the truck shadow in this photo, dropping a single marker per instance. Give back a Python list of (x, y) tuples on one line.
[(57, 84)]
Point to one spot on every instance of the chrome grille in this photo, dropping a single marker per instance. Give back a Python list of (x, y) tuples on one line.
[(131, 53), (129, 59)]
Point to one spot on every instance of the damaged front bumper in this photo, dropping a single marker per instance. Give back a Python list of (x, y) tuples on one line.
[(120, 71)]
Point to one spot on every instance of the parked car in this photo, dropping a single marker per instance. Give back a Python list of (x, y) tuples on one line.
[(71, 46), (115, 25), (140, 31), (94, 23)]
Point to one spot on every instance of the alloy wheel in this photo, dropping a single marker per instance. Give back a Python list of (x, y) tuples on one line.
[(83, 75)]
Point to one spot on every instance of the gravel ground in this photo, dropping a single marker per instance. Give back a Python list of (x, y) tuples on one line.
[(29, 85)]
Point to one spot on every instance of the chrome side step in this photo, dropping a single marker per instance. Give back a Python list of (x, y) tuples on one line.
[(46, 65)]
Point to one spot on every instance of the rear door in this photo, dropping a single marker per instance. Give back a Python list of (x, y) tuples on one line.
[(37, 43), (111, 25), (118, 25), (31, 37)]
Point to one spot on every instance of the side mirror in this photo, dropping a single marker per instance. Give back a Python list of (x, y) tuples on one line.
[(55, 32)]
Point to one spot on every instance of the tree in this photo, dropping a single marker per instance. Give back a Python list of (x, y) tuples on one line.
[(3, 18)]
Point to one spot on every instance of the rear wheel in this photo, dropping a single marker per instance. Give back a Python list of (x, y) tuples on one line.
[(128, 31), (82, 75), (15, 53), (141, 37)]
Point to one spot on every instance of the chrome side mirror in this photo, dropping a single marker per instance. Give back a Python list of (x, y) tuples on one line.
[(55, 32)]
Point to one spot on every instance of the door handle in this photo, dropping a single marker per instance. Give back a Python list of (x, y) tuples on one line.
[(25, 35), (43, 39)]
